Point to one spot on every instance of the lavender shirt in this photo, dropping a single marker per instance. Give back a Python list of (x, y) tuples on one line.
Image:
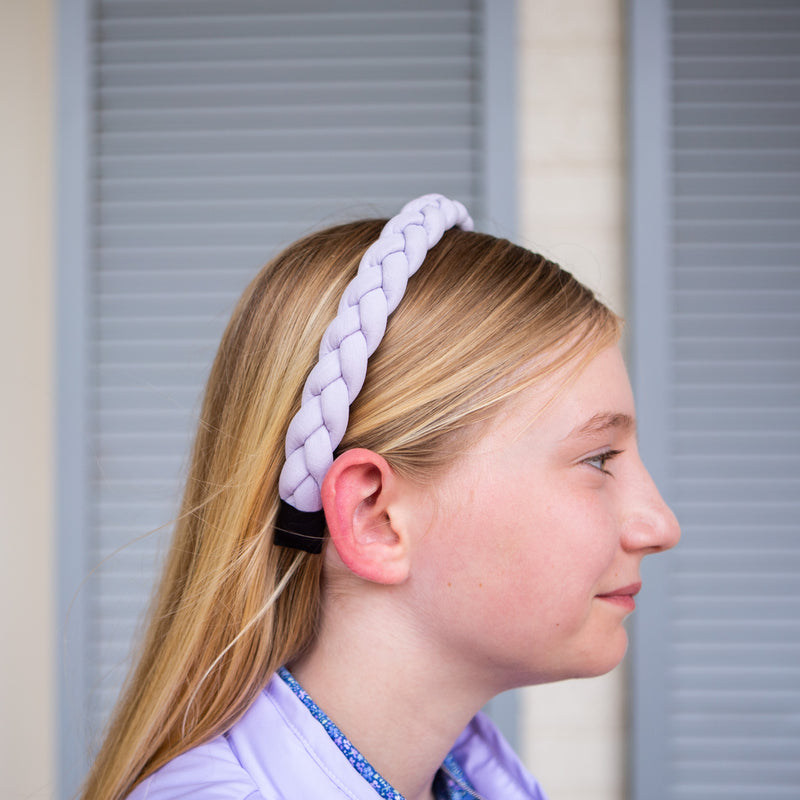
[(279, 751)]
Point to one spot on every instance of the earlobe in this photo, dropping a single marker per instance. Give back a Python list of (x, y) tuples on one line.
[(358, 496)]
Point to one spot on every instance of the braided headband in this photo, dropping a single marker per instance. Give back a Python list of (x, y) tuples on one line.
[(335, 381)]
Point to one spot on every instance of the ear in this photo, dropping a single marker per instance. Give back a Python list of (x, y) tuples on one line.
[(358, 495)]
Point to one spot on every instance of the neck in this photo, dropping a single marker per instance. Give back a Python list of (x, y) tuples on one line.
[(387, 690)]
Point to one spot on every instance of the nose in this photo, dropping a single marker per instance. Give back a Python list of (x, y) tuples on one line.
[(649, 524)]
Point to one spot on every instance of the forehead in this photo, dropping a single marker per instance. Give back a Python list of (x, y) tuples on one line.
[(544, 427), (576, 404)]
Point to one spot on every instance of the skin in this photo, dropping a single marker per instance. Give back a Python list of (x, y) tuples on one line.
[(517, 566)]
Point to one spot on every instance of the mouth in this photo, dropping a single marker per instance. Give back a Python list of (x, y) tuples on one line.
[(623, 597)]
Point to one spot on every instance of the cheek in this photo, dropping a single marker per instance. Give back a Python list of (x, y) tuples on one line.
[(500, 545), (584, 529), (567, 547), (472, 552)]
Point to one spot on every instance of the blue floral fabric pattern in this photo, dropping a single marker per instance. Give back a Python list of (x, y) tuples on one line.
[(445, 787)]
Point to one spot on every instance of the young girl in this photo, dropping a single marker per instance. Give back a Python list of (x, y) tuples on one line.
[(366, 554)]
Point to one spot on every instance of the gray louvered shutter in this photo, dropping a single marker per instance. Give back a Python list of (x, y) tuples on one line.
[(717, 700), (223, 131)]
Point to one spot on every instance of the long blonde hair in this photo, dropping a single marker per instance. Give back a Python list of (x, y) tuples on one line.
[(231, 606)]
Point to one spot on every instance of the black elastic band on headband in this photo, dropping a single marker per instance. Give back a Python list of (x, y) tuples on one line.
[(302, 530)]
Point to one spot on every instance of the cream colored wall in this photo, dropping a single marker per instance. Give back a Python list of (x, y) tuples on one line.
[(572, 208), (572, 137), (27, 697)]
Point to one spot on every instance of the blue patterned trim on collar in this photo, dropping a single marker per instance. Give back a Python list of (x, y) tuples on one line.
[(445, 787), (361, 765), (457, 785)]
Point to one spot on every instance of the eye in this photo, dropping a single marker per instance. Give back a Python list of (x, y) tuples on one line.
[(600, 460)]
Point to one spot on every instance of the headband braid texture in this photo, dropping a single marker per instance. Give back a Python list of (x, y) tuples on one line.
[(335, 381)]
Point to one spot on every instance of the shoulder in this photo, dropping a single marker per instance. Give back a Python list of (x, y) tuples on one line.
[(277, 750), (491, 764), (208, 772)]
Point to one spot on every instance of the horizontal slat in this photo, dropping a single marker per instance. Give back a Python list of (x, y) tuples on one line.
[(752, 515), (295, 9), (758, 557), (735, 350), (730, 678), (694, 467), (384, 115), (775, 113), (122, 444), (741, 255), (286, 71), (755, 724), (738, 44), (353, 191), (766, 371), (772, 581), (714, 185), (191, 235), (211, 305), (286, 163), (202, 329), (144, 352), (765, 328), (737, 702), (725, 608), (145, 515), (236, 48), (736, 395), (168, 281), (757, 92), (143, 399), (701, 489), (757, 277), (769, 233), (762, 301), (421, 95), (740, 775), (151, 420), (376, 138), (766, 68), (752, 21), (190, 23), (692, 8), (749, 208), (164, 376), (716, 654)]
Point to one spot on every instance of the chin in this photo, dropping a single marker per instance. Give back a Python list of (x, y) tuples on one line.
[(586, 661), (602, 661), (593, 661)]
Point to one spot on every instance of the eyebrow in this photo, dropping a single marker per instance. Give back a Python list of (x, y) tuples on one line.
[(602, 422)]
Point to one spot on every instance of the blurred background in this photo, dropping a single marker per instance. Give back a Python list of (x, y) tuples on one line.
[(154, 153)]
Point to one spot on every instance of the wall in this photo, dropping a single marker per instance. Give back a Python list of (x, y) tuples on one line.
[(572, 208), (27, 698)]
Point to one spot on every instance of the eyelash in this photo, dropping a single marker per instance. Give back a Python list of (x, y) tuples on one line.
[(603, 458)]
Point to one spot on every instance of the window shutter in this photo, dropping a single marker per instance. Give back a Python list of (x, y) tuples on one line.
[(717, 658), (223, 131)]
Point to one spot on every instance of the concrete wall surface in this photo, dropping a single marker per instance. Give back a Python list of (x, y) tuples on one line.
[(27, 575)]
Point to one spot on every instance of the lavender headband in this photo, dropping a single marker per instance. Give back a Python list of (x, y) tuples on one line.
[(320, 424)]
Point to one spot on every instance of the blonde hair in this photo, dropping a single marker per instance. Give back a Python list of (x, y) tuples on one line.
[(232, 607)]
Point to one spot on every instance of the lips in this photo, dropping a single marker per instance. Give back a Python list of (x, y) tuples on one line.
[(623, 597)]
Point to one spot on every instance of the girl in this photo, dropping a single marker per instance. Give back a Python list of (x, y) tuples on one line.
[(366, 555)]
